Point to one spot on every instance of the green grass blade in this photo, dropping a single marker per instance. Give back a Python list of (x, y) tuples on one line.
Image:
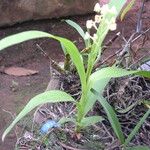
[(69, 46), (112, 117), (91, 98), (53, 96), (65, 120), (117, 4), (137, 127), (88, 121), (138, 148), (63, 48), (114, 72), (123, 111), (127, 8), (76, 27), (76, 59), (102, 76), (99, 79), (21, 37)]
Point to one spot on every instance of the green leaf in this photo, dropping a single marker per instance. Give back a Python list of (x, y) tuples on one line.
[(21, 37), (91, 98), (53, 96), (65, 120), (63, 48), (112, 117), (69, 46), (117, 4), (76, 27), (123, 111), (88, 121), (99, 79), (138, 148), (137, 127), (146, 102), (114, 72), (127, 8)]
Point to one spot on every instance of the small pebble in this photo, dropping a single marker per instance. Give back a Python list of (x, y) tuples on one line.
[(145, 66)]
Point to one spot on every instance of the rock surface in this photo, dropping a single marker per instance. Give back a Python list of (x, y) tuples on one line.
[(15, 11)]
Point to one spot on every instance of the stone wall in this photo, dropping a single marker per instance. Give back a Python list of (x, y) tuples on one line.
[(14, 11)]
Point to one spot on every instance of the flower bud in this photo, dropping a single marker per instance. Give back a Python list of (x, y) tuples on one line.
[(95, 37), (113, 27), (87, 36), (98, 18), (89, 24), (113, 10), (97, 8), (112, 24), (104, 9)]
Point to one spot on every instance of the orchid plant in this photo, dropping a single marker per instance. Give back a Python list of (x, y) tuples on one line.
[(92, 82)]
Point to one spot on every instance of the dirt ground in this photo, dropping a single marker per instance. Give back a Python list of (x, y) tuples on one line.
[(16, 91)]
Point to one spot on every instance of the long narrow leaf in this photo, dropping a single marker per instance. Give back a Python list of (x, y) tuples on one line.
[(69, 46), (53, 96), (113, 72), (76, 27), (88, 121), (112, 117), (65, 120), (105, 74), (127, 8), (117, 4), (91, 98), (138, 148), (21, 37), (137, 127), (99, 79)]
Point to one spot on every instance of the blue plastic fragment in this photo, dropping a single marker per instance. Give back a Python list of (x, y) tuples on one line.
[(48, 125)]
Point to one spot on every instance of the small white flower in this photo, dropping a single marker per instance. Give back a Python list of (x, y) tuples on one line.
[(112, 24), (94, 38), (89, 24), (104, 9), (87, 36), (113, 10), (98, 18), (113, 20), (97, 8), (113, 27)]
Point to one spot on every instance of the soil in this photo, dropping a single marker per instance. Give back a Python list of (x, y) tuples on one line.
[(16, 91)]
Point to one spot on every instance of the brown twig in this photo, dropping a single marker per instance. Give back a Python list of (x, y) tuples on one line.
[(13, 117), (110, 42), (68, 147), (139, 22), (53, 63)]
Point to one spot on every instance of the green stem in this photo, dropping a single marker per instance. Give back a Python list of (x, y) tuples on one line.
[(80, 109)]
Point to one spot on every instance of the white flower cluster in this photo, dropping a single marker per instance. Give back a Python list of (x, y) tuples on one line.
[(101, 13), (88, 36)]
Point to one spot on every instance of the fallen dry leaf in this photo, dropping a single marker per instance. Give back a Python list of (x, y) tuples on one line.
[(19, 71)]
